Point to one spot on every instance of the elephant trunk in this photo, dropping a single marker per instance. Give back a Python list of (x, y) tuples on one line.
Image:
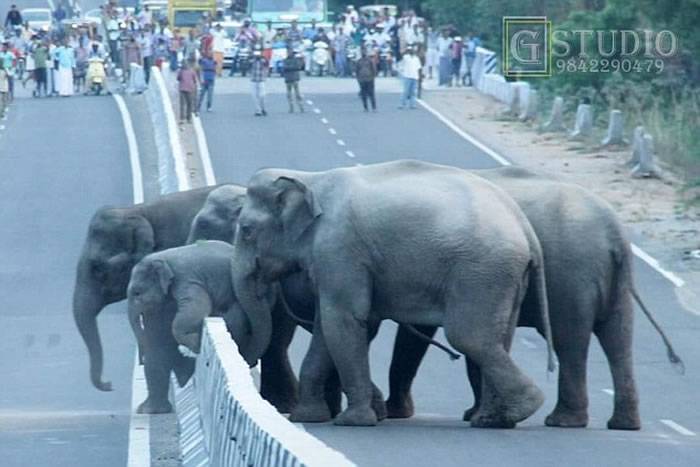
[(256, 299), (87, 304)]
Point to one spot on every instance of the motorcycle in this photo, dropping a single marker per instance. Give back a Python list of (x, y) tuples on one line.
[(320, 57), (386, 60), (352, 52), (242, 58), (96, 76), (279, 53)]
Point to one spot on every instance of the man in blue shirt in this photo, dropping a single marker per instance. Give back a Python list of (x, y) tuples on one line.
[(207, 67)]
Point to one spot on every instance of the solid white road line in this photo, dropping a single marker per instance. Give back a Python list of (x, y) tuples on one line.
[(209, 177), (134, 157), (350, 154), (644, 256), (340, 142), (332, 131), (493, 154), (609, 392), (654, 263), (139, 426), (677, 427)]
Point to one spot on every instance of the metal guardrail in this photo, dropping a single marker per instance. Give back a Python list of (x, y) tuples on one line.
[(239, 428)]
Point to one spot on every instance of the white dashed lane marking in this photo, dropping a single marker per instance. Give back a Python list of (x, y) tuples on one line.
[(528, 343), (317, 110), (340, 142), (332, 131), (609, 392), (324, 120), (310, 102), (350, 154), (677, 427)]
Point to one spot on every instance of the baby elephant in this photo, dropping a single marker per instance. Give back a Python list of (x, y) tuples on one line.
[(169, 295), (173, 291)]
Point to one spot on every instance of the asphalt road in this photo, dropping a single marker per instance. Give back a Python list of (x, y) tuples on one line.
[(61, 159), (335, 132)]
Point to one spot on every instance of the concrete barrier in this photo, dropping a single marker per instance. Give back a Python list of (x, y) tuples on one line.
[(239, 428), (172, 173)]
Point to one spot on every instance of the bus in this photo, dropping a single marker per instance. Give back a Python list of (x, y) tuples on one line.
[(286, 11), (187, 14)]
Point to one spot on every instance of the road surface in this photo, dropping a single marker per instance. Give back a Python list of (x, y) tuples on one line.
[(335, 132)]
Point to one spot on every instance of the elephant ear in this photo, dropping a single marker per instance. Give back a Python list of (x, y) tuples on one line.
[(297, 205), (236, 207), (164, 273), (143, 241)]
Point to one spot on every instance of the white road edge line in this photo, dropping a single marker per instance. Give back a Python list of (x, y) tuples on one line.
[(139, 454), (608, 391), (654, 264), (209, 177), (641, 254), (677, 427), (134, 156)]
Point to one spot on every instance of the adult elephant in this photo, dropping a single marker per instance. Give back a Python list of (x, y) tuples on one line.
[(117, 239), (457, 252), (588, 265)]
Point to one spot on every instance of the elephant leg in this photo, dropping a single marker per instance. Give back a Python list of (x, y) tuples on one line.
[(474, 375), (343, 311), (509, 396), (158, 364), (319, 388), (615, 336), (378, 404), (408, 353), (278, 384), (571, 410)]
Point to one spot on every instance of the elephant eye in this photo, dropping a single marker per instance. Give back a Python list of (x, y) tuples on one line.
[(246, 231)]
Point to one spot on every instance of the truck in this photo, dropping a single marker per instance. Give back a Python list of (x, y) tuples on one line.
[(187, 14), (282, 12)]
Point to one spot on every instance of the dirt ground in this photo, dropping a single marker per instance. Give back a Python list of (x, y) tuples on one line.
[(662, 221)]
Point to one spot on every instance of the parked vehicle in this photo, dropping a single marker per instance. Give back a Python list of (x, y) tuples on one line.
[(38, 18), (321, 58)]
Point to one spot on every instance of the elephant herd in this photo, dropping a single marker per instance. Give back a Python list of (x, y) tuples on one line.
[(475, 252)]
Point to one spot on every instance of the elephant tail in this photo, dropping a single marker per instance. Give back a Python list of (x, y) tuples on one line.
[(670, 352), (541, 293)]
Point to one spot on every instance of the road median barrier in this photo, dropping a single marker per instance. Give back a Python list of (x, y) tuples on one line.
[(225, 422)]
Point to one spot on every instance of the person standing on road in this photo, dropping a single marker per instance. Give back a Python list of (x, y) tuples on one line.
[(146, 43), (208, 69), (410, 72), (8, 60), (258, 72), (456, 61), (292, 67), (366, 72), (444, 44), (41, 59), (218, 45), (4, 88), (66, 64), (187, 86)]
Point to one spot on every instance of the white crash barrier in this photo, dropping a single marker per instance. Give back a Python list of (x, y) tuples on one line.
[(172, 174), (239, 428)]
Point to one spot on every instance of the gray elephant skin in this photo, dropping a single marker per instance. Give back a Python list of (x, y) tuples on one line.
[(117, 239), (590, 286), (360, 233)]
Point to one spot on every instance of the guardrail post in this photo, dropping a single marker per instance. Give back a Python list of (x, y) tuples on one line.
[(637, 137), (556, 119), (529, 111), (616, 128), (584, 122), (646, 167)]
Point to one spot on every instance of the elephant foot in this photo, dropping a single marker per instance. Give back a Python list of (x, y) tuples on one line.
[(629, 422), (316, 412), (357, 416), (154, 407), (469, 413), (566, 418), (400, 408), (491, 421), (282, 404)]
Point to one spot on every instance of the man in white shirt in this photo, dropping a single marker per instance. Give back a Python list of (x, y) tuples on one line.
[(410, 67), (444, 45), (218, 46)]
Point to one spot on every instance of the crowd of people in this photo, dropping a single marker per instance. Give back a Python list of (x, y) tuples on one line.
[(358, 45)]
